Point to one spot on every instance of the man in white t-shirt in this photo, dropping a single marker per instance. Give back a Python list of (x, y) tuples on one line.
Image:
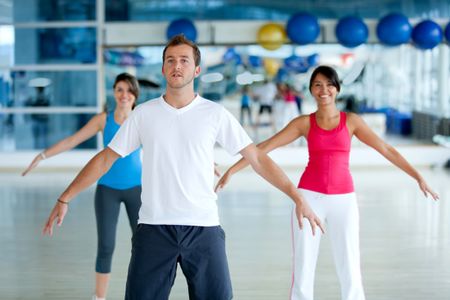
[(178, 219)]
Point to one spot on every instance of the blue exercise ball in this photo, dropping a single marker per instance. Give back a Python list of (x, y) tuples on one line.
[(303, 28), (313, 60), (447, 32), (182, 26), (255, 61), (351, 32), (427, 34), (297, 64), (394, 29), (231, 56)]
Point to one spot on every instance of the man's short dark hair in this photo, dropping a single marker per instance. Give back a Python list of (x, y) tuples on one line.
[(180, 39)]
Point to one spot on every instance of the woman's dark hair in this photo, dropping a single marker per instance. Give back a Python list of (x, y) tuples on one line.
[(329, 73), (132, 82)]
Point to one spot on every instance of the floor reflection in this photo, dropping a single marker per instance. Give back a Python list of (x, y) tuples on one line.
[(405, 239)]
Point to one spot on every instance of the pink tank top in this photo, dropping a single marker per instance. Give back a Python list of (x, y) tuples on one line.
[(289, 97), (328, 171)]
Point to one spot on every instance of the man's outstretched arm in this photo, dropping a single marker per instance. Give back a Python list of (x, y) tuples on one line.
[(93, 170), (270, 171)]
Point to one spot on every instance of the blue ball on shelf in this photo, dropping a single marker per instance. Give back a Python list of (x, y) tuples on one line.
[(182, 26), (427, 35), (394, 29), (351, 32), (302, 28), (447, 32)]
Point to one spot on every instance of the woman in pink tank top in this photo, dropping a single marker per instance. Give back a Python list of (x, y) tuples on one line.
[(327, 186)]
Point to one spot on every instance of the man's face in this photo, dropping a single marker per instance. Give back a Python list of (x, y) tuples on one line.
[(179, 66)]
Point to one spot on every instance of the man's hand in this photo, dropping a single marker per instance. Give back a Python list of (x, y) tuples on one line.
[(304, 211)]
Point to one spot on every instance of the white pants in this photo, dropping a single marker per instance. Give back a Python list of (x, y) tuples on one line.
[(340, 214)]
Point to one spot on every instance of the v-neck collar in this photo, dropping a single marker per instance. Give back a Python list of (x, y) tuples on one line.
[(182, 110)]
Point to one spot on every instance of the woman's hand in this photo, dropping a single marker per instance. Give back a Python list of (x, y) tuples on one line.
[(426, 189), (222, 181), (58, 212), (33, 164), (216, 170)]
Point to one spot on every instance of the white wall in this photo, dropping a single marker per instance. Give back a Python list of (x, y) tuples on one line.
[(218, 32), (361, 156)]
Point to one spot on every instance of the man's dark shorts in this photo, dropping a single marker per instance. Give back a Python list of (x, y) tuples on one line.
[(200, 251)]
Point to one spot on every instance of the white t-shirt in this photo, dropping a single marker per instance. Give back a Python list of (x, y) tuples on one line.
[(178, 158), (266, 93)]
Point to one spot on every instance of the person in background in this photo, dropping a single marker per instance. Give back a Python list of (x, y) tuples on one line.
[(39, 121), (265, 94), (278, 107), (246, 106), (299, 97), (290, 105)]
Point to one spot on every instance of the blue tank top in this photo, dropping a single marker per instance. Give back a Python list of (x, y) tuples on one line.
[(245, 100), (125, 173)]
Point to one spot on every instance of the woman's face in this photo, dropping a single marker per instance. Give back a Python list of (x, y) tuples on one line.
[(323, 90), (123, 95)]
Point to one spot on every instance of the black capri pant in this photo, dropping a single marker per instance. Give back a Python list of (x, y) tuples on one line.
[(107, 208)]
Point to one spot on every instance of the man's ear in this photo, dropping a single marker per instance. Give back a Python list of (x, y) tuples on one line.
[(197, 71)]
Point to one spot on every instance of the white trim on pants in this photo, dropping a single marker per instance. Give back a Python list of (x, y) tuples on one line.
[(340, 214)]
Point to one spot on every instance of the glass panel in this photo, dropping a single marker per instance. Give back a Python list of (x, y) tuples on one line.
[(53, 10), (6, 16), (6, 45), (55, 46), (39, 131), (6, 98), (117, 10), (446, 112), (29, 88)]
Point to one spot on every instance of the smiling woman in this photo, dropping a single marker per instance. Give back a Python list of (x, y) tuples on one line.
[(327, 185), (122, 183), (325, 87)]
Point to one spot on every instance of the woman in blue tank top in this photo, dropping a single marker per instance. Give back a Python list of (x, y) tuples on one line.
[(122, 183)]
